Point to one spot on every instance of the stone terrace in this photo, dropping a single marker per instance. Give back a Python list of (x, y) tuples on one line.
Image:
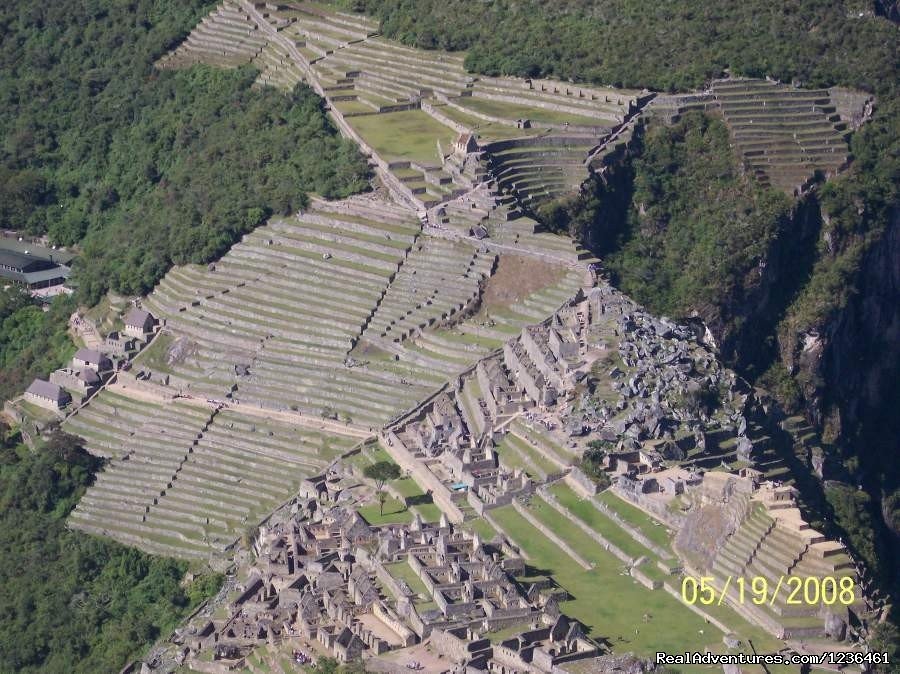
[(773, 544), (363, 76), (256, 342), (226, 38), (784, 134), (438, 279), (540, 169), (185, 480)]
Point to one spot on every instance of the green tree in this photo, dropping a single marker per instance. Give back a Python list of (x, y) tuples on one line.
[(381, 472)]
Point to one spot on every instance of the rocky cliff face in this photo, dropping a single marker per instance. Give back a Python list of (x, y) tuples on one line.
[(850, 361), (743, 328)]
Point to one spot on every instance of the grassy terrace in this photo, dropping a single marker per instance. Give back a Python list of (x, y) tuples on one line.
[(485, 130), (533, 455), (537, 435), (536, 114), (613, 605), (597, 521), (403, 571), (481, 527), (609, 603), (154, 356), (637, 518), (408, 135)]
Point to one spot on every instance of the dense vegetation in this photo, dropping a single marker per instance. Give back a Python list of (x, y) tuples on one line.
[(663, 45), (72, 602), (695, 229), (33, 342), (144, 168)]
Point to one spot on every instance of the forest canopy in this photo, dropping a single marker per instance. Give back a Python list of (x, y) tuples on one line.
[(73, 602), (147, 168), (678, 44)]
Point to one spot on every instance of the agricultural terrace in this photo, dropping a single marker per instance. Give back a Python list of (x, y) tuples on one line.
[(185, 480), (410, 135)]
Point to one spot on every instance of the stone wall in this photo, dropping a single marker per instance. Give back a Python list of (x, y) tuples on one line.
[(442, 118), (594, 535), (565, 547), (581, 483)]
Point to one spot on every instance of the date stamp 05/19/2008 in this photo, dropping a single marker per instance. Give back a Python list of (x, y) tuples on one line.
[(793, 590)]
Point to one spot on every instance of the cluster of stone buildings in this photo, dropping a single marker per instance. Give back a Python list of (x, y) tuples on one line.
[(324, 580), (89, 368), (601, 368)]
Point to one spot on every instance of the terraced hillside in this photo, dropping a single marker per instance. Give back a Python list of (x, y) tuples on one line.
[(783, 134), (539, 169), (439, 279), (226, 38), (185, 480), (271, 323), (405, 106)]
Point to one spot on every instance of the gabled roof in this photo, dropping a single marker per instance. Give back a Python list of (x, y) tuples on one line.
[(90, 355), (89, 376), (138, 318), (46, 389)]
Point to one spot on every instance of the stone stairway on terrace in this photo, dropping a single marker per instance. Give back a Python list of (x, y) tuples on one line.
[(277, 68), (438, 280), (784, 135), (775, 544), (227, 38), (431, 185)]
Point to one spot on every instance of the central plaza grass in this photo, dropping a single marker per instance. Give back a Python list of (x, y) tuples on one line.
[(408, 135), (395, 512), (614, 606)]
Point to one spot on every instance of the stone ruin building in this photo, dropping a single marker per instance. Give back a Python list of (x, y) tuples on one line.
[(539, 388), (325, 576)]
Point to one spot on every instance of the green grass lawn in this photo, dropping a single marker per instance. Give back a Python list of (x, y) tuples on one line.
[(408, 135), (599, 522), (481, 527), (535, 114), (657, 533), (154, 356), (408, 488), (395, 512), (612, 605), (403, 571)]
